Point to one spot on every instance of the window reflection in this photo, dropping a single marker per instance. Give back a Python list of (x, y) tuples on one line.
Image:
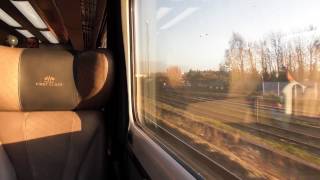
[(238, 78)]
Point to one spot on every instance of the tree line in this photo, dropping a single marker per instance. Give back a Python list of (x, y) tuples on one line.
[(274, 58), (277, 57)]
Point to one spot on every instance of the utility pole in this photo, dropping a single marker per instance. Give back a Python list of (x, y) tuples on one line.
[(148, 48), (278, 84)]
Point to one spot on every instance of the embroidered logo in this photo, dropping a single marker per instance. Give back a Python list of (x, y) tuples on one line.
[(49, 81)]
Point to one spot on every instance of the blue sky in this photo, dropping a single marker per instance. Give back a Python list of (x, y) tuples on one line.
[(194, 34)]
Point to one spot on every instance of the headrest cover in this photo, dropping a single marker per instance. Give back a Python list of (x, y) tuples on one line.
[(51, 79)]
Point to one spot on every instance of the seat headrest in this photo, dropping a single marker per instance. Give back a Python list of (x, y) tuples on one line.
[(52, 79)]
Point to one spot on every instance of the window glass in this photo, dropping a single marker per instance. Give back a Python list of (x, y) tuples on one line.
[(235, 80)]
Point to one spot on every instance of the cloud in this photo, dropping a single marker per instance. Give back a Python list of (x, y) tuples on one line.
[(187, 12)]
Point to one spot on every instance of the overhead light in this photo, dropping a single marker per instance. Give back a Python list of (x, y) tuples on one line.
[(50, 36), (27, 10), (26, 33), (8, 19)]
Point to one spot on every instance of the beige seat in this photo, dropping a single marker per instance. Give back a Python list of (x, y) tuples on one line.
[(51, 123)]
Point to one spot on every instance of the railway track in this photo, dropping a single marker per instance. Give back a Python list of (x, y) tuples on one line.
[(263, 117), (294, 120), (276, 162), (300, 140), (277, 119)]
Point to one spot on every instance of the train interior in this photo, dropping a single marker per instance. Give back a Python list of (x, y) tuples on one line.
[(64, 109), (159, 89)]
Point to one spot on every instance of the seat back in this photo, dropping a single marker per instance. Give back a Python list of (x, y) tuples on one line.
[(51, 123)]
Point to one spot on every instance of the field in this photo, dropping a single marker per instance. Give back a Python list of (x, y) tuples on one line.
[(249, 138)]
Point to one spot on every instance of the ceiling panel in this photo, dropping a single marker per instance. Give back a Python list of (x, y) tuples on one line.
[(77, 22), (70, 12), (7, 6), (49, 13)]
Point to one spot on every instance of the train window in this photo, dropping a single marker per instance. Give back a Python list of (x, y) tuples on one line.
[(237, 82)]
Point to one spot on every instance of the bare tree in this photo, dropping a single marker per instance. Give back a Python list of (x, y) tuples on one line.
[(300, 59), (236, 51), (276, 46)]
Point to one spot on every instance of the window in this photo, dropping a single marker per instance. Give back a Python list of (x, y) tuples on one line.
[(238, 82)]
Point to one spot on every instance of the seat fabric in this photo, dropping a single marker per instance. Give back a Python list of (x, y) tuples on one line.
[(54, 145), (52, 123)]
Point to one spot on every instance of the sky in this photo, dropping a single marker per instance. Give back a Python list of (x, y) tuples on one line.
[(194, 34)]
